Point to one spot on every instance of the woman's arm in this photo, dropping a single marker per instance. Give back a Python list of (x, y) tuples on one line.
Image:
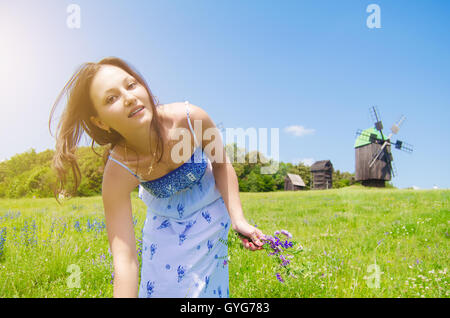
[(119, 225), (227, 182), (228, 185)]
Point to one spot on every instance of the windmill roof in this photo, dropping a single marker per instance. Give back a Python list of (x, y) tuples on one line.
[(320, 165), (296, 179), (364, 138)]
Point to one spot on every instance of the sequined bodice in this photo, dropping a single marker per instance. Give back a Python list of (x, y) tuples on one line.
[(183, 177)]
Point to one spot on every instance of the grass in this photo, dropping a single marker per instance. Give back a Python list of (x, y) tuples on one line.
[(341, 235)]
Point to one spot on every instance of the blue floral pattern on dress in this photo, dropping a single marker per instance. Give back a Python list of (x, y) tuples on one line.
[(180, 272), (206, 215), (180, 209), (164, 224), (182, 236), (209, 244), (150, 288), (152, 250), (206, 282), (181, 239)]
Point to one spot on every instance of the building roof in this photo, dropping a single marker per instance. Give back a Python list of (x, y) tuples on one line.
[(364, 138), (296, 179), (321, 165)]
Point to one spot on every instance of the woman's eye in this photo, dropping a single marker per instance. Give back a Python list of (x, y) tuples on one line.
[(109, 99)]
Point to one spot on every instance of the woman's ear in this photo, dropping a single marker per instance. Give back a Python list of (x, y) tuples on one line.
[(97, 122)]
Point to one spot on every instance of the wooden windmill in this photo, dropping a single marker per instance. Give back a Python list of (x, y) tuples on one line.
[(373, 157)]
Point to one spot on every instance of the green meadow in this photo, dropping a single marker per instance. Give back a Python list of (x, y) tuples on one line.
[(349, 242)]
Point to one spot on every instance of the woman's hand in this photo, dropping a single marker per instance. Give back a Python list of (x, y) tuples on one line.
[(250, 236)]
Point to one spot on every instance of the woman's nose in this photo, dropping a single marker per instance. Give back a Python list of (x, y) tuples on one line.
[(130, 100)]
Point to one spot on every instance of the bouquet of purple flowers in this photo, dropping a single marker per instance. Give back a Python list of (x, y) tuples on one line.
[(278, 246)]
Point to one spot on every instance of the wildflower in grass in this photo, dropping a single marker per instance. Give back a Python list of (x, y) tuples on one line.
[(52, 227), (33, 235), (286, 233), (280, 279), (88, 249), (2, 240), (62, 232), (25, 238), (139, 251), (284, 260), (279, 247), (77, 226)]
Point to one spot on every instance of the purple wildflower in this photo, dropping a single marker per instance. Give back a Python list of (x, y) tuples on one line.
[(285, 261), (289, 235), (280, 279), (278, 247)]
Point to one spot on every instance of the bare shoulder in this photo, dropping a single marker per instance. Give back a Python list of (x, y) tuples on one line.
[(117, 180), (177, 112)]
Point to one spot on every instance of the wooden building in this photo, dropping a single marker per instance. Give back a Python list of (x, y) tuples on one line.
[(293, 182), (379, 173), (322, 175)]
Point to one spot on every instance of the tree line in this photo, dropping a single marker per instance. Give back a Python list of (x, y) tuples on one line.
[(30, 174)]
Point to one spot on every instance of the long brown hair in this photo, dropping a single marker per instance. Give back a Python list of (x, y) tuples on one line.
[(75, 120)]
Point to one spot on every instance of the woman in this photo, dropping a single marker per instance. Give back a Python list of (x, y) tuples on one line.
[(190, 204)]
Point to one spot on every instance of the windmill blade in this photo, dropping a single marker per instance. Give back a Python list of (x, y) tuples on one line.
[(396, 127), (391, 165), (377, 119), (378, 154), (400, 145), (394, 169)]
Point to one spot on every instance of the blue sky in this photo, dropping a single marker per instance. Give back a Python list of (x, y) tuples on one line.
[(314, 65)]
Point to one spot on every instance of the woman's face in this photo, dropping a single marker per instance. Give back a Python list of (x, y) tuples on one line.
[(115, 95)]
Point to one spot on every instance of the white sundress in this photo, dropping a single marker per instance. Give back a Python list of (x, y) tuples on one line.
[(184, 243)]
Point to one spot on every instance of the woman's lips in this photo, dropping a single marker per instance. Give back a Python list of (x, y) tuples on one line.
[(136, 112)]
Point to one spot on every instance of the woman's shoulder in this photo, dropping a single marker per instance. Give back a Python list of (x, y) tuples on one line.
[(176, 113), (115, 176), (174, 110)]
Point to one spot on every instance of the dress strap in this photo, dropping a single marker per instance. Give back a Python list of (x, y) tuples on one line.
[(117, 161), (189, 122)]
